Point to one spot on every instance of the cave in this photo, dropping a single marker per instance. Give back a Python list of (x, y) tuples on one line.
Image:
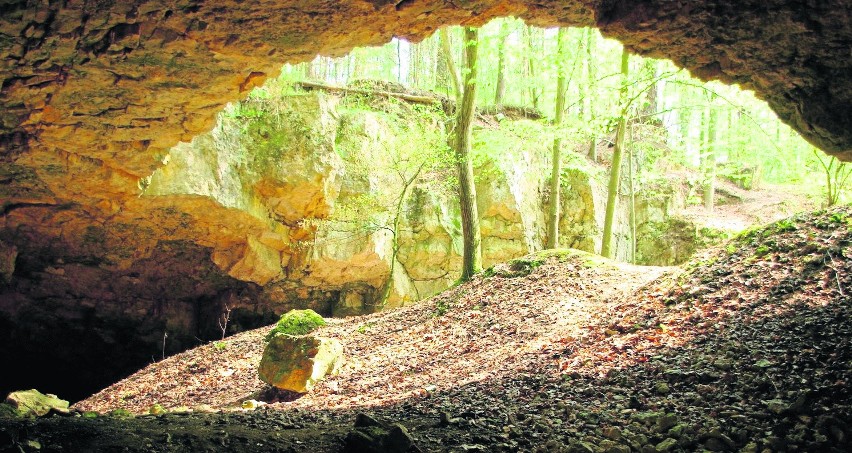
[(95, 93)]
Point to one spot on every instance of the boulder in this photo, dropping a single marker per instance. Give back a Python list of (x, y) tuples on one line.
[(298, 363), (32, 402)]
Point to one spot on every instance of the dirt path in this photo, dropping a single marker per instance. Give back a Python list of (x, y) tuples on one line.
[(737, 209)]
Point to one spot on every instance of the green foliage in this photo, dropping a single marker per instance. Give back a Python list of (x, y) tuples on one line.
[(220, 345), (296, 322), (762, 250), (441, 308), (120, 413), (785, 225), (7, 410), (364, 328)]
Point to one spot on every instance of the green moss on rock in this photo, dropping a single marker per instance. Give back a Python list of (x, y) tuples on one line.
[(296, 322)]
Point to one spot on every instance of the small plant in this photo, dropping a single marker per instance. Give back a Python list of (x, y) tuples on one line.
[(363, 328), (762, 250), (296, 322), (120, 413), (839, 217), (785, 225), (441, 308), (223, 320), (165, 335), (220, 345)]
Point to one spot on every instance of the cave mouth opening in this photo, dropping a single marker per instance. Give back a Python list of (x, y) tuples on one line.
[(79, 90)]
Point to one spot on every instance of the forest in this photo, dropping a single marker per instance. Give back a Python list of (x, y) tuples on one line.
[(498, 238)]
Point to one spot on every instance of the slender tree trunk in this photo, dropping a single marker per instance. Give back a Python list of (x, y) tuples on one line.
[(556, 166), (615, 170), (435, 53), (472, 255), (632, 188), (590, 72), (357, 66), (312, 69), (500, 89), (531, 67), (399, 78), (447, 57), (710, 157), (415, 60), (400, 203)]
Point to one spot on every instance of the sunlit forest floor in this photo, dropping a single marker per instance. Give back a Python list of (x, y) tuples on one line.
[(738, 209), (746, 348)]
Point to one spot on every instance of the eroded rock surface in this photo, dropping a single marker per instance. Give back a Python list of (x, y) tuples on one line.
[(296, 364)]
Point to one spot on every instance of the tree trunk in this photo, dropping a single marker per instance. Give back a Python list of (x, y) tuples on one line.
[(407, 183), (651, 107), (399, 78), (414, 64), (556, 166), (531, 67), (472, 256), (500, 90), (447, 57), (357, 66), (313, 73), (590, 73), (710, 157), (615, 170), (632, 189)]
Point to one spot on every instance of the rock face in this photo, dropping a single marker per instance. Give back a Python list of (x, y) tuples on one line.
[(239, 220), (296, 364)]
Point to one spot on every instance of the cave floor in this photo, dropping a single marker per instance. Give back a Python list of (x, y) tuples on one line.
[(745, 349)]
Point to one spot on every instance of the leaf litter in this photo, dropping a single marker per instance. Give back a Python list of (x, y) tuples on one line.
[(747, 348)]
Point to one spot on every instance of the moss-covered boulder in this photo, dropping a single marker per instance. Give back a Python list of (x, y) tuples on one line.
[(34, 403), (298, 363), (296, 323)]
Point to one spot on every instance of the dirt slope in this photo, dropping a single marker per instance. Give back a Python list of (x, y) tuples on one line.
[(745, 349)]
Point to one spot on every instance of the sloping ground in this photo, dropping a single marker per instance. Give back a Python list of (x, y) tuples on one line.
[(488, 328), (747, 349), (737, 209)]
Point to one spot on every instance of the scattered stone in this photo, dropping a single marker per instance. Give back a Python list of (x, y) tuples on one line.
[(582, 447), (724, 364), (776, 406), (252, 404), (446, 419), (611, 432), (665, 422), (617, 448), (372, 436), (666, 445), (750, 447), (714, 444), (677, 431), (157, 409), (34, 403)]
